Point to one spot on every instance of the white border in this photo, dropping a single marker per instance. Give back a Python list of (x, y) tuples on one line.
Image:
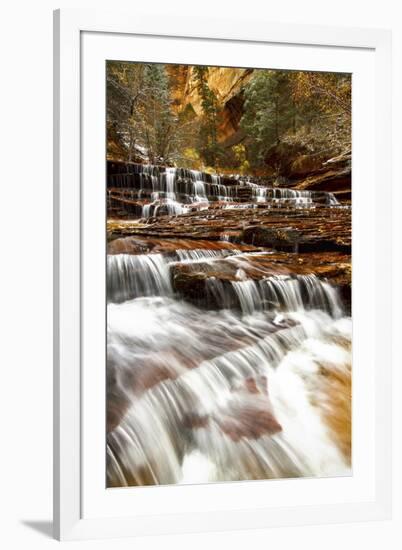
[(370, 498), (96, 502)]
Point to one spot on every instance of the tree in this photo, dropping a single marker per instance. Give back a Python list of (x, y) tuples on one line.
[(140, 118), (331, 92), (269, 112), (305, 109), (208, 141), (240, 154), (325, 102), (155, 122), (124, 87)]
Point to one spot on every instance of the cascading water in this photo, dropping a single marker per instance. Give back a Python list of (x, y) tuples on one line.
[(131, 276), (223, 365), (160, 191), (170, 175), (239, 389)]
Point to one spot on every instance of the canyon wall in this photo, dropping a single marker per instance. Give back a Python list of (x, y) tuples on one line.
[(226, 83)]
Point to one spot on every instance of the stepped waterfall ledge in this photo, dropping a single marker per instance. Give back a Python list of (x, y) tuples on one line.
[(228, 275)]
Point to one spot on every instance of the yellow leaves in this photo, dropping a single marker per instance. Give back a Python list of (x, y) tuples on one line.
[(239, 152), (191, 153), (245, 167), (331, 91), (191, 158)]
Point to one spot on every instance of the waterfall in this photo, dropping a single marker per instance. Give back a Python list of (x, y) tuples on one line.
[(170, 191), (225, 360), (260, 193), (192, 256), (222, 393), (170, 179), (133, 276), (196, 175), (146, 210), (199, 190), (301, 292), (248, 295), (246, 411), (279, 293)]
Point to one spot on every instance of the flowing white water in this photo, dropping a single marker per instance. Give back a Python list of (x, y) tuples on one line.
[(132, 276), (210, 395), (171, 191), (199, 189), (170, 179), (240, 383)]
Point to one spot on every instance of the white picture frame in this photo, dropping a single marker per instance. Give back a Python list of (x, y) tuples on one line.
[(83, 40)]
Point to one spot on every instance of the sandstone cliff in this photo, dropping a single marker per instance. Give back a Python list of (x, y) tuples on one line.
[(226, 83)]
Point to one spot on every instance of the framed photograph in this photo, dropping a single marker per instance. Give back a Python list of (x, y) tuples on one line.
[(215, 181)]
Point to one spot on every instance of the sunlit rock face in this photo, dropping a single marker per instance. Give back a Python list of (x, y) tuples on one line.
[(226, 83)]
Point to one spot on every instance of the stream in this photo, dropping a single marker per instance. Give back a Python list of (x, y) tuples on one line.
[(250, 377)]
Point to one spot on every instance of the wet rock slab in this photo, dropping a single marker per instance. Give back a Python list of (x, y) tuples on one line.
[(288, 242), (144, 245), (322, 228)]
